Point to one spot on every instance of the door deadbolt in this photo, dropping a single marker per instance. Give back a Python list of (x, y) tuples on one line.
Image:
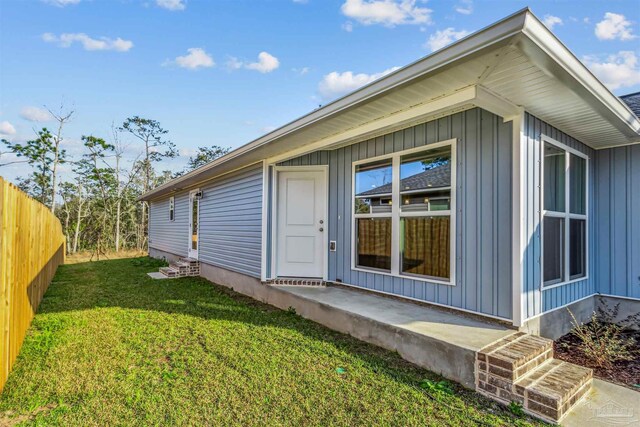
[(321, 221)]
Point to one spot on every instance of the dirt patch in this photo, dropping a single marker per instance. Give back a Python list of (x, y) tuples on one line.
[(86, 256), (625, 372), (10, 418)]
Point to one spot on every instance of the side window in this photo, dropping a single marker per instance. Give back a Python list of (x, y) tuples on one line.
[(171, 208), (564, 219)]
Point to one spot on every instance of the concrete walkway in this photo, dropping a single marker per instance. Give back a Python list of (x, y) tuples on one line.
[(606, 404), (440, 340)]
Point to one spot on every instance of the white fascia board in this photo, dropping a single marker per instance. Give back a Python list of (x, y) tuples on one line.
[(459, 100), (462, 99), (538, 33)]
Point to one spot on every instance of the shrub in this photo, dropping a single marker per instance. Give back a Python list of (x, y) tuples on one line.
[(602, 341)]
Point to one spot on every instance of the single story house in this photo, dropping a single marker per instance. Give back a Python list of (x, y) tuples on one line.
[(495, 176)]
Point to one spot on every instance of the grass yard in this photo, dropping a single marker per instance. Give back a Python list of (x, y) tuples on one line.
[(111, 346)]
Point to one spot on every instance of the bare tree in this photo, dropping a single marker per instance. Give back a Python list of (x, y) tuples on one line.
[(124, 179), (58, 153), (156, 148)]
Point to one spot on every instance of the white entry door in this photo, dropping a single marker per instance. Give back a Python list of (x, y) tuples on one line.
[(194, 223), (301, 223)]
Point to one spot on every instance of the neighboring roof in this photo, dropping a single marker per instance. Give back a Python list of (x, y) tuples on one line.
[(431, 178), (633, 101), (513, 65)]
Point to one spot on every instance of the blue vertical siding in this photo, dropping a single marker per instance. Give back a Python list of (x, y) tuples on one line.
[(536, 299), (483, 220), (231, 221), (166, 235), (617, 235)]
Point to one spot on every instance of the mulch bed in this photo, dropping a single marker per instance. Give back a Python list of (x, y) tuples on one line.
[(626, 373)]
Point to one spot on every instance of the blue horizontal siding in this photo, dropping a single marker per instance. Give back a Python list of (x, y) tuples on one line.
[(166, 235), (231, 221), (617, 253), (483, 222)]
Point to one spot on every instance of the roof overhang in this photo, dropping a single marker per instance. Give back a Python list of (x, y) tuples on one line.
[(514, 65)]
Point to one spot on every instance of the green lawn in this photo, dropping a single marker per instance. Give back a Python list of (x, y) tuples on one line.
[(110, 346)]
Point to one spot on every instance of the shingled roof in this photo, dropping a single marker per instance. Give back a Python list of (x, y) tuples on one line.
[(633, 101), (432, 178)]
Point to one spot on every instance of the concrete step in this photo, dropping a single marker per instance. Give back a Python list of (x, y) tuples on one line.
[(553, 388), (514, 356)]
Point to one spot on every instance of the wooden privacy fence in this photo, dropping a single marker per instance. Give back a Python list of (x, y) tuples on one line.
[(31, 248)]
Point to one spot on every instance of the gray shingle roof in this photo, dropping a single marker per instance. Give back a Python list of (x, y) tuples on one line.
[(433, 178), (633, 101)]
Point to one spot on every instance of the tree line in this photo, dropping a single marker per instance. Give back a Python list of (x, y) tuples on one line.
[(97, 203)]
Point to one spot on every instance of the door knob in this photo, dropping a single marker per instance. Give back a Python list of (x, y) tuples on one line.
[(321, 229)]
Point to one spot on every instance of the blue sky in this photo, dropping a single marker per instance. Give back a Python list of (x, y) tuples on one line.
[(226, 72)]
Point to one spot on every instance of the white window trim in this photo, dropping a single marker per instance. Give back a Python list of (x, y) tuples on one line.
[(566, 215), (395, 214), (172, 208)]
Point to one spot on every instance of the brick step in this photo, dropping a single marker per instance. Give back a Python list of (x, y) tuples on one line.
[(169, 271), (178, 265), (521, 368), (513, 357), (552, 389), (291, 281)]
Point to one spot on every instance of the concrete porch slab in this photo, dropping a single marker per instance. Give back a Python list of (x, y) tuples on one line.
[(440, 340), (455, 328)]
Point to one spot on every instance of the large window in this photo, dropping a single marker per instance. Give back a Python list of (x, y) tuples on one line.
[(564, 221), (403, 208)]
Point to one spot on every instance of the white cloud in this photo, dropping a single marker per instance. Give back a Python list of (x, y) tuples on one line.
[(551, 21), (301, 71), (195, 58), (348, 26), (614, 26), (618, 70), (172, 5), (266, 63), (7, 129), (88, 43), (61, 3), (442, 38), (335, 84), (35, 114), (386, 12), (465, 7)]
